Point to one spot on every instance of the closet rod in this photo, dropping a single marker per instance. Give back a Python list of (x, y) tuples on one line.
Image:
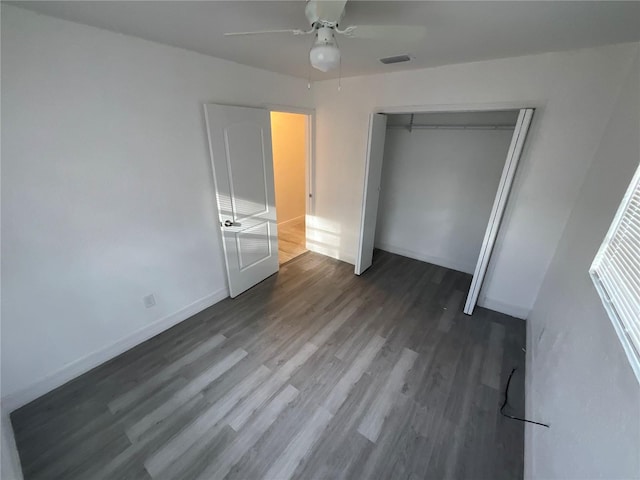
[(415, 126)]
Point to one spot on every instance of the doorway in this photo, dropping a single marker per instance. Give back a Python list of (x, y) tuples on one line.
[(240, 144), (290, 149), (436, 186)]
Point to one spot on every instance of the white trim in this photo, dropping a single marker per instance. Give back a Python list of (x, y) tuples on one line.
[(10, 468), (506, 308), (332, 252), (499, 206), (274, 107), (310, 171), (84, 364), (529, 444), (292, 220), (443, 262)]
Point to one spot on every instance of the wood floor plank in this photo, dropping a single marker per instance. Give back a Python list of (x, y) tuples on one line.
[(339, 453), (300, 446), (361, 333), (321, 373), (491, 368), (340, 392), (452, 307), (149, 384), (133, 457), (250, 435), (388, 458), (323, 335), (189, 391), (372, 423), (239, 416), (183, 441)]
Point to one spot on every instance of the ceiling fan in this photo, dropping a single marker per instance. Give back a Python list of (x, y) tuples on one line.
[(324, 17)]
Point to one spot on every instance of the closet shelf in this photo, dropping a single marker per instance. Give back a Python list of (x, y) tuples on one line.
[(417, 126)]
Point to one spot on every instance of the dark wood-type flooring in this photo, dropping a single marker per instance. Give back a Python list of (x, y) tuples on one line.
[(314, 373)]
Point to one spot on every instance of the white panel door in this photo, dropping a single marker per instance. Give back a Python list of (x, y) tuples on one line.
[(373, 175), (499, 205), (242, 160)]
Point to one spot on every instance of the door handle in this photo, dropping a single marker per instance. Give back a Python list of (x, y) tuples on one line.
[(229, 223)]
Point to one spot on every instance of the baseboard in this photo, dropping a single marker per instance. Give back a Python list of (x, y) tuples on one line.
[(443, 262), (10, 468), (506, 308), (331, 252), (291, 221), (17, 399), (529, 450)]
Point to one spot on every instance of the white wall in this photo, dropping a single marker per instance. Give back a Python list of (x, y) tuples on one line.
[(573, 91), (578, 377), (107, 193), (436, 194)]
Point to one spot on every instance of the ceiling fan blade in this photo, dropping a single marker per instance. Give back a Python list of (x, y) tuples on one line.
[(326, 10), (404, 33), (260, 32)]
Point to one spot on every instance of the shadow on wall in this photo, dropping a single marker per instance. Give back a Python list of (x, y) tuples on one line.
[(323, 236)]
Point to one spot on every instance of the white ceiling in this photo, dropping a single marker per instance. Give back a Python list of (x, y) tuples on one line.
[(457, 31)]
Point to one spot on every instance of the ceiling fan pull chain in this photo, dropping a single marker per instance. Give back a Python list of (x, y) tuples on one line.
[(339, 70), (309, 71)]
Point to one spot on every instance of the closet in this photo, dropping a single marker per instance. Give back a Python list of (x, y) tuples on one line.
[(437, 184)]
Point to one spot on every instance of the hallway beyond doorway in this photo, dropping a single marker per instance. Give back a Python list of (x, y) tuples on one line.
[(291, 240), (289, 138)]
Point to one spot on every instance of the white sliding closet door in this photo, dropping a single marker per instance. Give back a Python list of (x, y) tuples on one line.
[(499, 204), (373, 175)]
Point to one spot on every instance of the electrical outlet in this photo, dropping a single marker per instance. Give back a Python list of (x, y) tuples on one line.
[(149, 301)]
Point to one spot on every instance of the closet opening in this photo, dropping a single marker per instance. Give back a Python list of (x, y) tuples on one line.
[(436, 186)]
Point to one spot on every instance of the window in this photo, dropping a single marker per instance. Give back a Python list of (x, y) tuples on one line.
[(616, 273)]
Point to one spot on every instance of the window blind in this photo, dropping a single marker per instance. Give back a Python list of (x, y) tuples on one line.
[(616, 272)]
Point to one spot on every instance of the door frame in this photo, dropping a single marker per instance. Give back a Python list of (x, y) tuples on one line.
[(309, 167), (502, 193)]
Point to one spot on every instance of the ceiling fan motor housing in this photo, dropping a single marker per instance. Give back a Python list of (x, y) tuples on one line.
[(325, 36), (325, 55)]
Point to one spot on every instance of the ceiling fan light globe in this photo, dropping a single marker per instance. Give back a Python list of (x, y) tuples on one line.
[(324, 57)]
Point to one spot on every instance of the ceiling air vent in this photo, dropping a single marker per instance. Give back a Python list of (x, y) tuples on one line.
[(396, 59)]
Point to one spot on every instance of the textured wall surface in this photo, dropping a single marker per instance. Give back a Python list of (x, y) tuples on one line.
[(579, 378), (437, 190)]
